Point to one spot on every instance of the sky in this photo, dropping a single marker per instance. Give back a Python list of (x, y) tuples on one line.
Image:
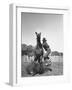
[(50, 26)]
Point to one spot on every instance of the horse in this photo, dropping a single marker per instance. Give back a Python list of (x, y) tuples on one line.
[(38, 51), (37, 66)]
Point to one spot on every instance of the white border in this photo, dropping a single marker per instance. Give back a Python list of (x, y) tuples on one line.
[(16, 52)]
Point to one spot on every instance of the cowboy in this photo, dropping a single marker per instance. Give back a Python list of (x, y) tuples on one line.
[(46, 48)]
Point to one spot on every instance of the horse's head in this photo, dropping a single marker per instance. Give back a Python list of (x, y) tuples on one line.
[(38, 50), (38, 35)]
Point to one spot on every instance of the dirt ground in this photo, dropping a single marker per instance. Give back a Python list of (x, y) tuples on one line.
[(57, 69)]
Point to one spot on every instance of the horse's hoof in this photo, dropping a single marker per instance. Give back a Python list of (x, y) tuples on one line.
[(50, 69), (46, 64), (32, 73)]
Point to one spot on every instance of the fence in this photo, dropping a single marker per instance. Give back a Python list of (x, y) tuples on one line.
[(26, 58), (56, 58)]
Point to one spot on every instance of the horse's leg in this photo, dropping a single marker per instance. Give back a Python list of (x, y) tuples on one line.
[(35, 59), (40, 60)]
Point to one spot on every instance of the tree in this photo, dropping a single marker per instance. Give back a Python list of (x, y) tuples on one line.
[(24, 49)]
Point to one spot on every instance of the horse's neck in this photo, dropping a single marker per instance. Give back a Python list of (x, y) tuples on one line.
[(39, 45)]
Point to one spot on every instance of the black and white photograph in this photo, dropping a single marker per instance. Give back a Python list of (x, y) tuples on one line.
[(41, 44)]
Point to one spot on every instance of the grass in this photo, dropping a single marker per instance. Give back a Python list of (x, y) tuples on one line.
[(57, 69)]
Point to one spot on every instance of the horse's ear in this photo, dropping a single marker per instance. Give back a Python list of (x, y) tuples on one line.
[(40, 33), (36, 33)]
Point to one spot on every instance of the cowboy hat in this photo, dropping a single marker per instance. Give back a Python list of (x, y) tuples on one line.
[(44, 39)]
